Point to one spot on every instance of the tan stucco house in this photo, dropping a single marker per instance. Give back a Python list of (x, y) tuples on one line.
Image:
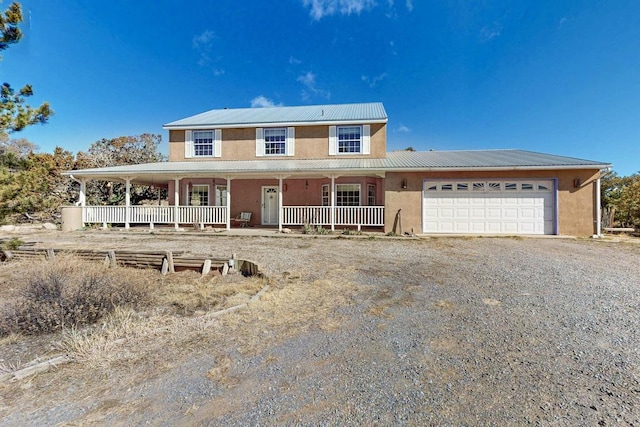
[(328, 165)]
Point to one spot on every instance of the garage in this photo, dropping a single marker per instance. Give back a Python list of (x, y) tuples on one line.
[(498, 206)]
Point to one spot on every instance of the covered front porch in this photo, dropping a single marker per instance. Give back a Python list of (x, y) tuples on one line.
[(331, 201)]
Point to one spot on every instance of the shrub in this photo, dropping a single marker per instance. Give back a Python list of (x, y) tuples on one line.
[(12, 244), (68, 293)]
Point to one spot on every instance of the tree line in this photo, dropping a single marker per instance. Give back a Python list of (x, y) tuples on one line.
[(32, 186)]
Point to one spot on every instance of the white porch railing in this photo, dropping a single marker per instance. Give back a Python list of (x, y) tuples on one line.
[(344, 215), (368, 216), (154, 214)]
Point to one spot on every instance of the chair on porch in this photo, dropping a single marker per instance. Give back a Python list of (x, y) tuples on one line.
[(243, 219)]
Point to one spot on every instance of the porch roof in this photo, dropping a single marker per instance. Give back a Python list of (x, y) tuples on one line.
[(372, 112), (397, 161)]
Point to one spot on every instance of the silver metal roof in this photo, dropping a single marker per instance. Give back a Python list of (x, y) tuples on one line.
[(339, 113), (432, 161), (484, 159)]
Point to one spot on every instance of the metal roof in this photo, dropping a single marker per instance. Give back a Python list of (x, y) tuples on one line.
[(484, 159), (428, 161), (373, 112)]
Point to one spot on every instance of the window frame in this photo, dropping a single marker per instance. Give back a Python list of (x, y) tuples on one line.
[(339, 142), (281, 144), (189, 194), (200, 145)]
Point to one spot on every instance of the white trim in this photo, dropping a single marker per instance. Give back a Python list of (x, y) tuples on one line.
[(274, 124)]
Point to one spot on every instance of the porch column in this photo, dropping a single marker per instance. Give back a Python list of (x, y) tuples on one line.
[(127, 203), (228, 203), (82, 198), (176, 201), (333, 202), (280, 210), (598, 209)]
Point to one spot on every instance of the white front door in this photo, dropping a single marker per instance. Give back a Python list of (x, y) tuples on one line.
[(269, 205)]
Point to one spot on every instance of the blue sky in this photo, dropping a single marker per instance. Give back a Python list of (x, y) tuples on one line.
[(561, 77)]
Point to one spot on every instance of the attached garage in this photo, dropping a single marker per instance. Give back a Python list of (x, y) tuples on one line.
[(489, 206)]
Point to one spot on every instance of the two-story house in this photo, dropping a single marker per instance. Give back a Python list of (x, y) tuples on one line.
[(328, 165)]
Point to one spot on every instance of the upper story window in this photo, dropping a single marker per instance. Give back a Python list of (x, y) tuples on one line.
[(275, 141), (352, 139), (349, 139), (202, 143)]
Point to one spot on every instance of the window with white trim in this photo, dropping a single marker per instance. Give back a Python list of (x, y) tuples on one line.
[(198, 195), (275, 141), (221, 195), (371, 194), (349, 139), (325, 195), (203, 143), (347, 194)]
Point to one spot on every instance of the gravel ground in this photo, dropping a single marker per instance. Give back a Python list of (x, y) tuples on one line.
[(447, 331)]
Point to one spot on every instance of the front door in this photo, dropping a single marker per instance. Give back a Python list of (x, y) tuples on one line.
[(269, 205)]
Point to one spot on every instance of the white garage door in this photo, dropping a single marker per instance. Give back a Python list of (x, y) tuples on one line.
[(488, 207)]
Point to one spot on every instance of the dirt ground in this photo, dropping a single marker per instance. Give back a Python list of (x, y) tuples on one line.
[(359, 330)]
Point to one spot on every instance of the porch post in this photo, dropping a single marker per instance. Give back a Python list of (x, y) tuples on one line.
[(127, 203), (280, 210), (82, 198), (333, 202), (228, 203), (176, 201), (598, 209)]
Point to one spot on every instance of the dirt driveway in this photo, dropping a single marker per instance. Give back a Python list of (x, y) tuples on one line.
[(447, 331)]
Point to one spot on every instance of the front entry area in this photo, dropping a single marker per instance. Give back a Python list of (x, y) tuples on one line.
[(489, 207), (269, 206)]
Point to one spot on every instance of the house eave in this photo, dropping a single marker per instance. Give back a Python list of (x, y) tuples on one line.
[(273, 124), (496, 168)]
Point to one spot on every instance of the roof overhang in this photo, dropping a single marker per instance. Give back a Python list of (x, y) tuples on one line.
[(272, 124)]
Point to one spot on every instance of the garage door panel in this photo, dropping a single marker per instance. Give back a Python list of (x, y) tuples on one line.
[(497, 208)]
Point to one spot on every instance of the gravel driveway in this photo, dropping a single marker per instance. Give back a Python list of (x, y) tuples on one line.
[(447, 331)]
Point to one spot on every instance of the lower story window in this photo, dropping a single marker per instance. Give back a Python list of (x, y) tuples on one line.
[(221, 195), (198, 195), (325, 195), (371, 194), (347, 195)]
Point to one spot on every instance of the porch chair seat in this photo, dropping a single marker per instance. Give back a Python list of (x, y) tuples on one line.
[(243, 219)]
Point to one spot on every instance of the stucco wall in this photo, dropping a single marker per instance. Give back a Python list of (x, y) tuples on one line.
[(311, 142), (576, 208)]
